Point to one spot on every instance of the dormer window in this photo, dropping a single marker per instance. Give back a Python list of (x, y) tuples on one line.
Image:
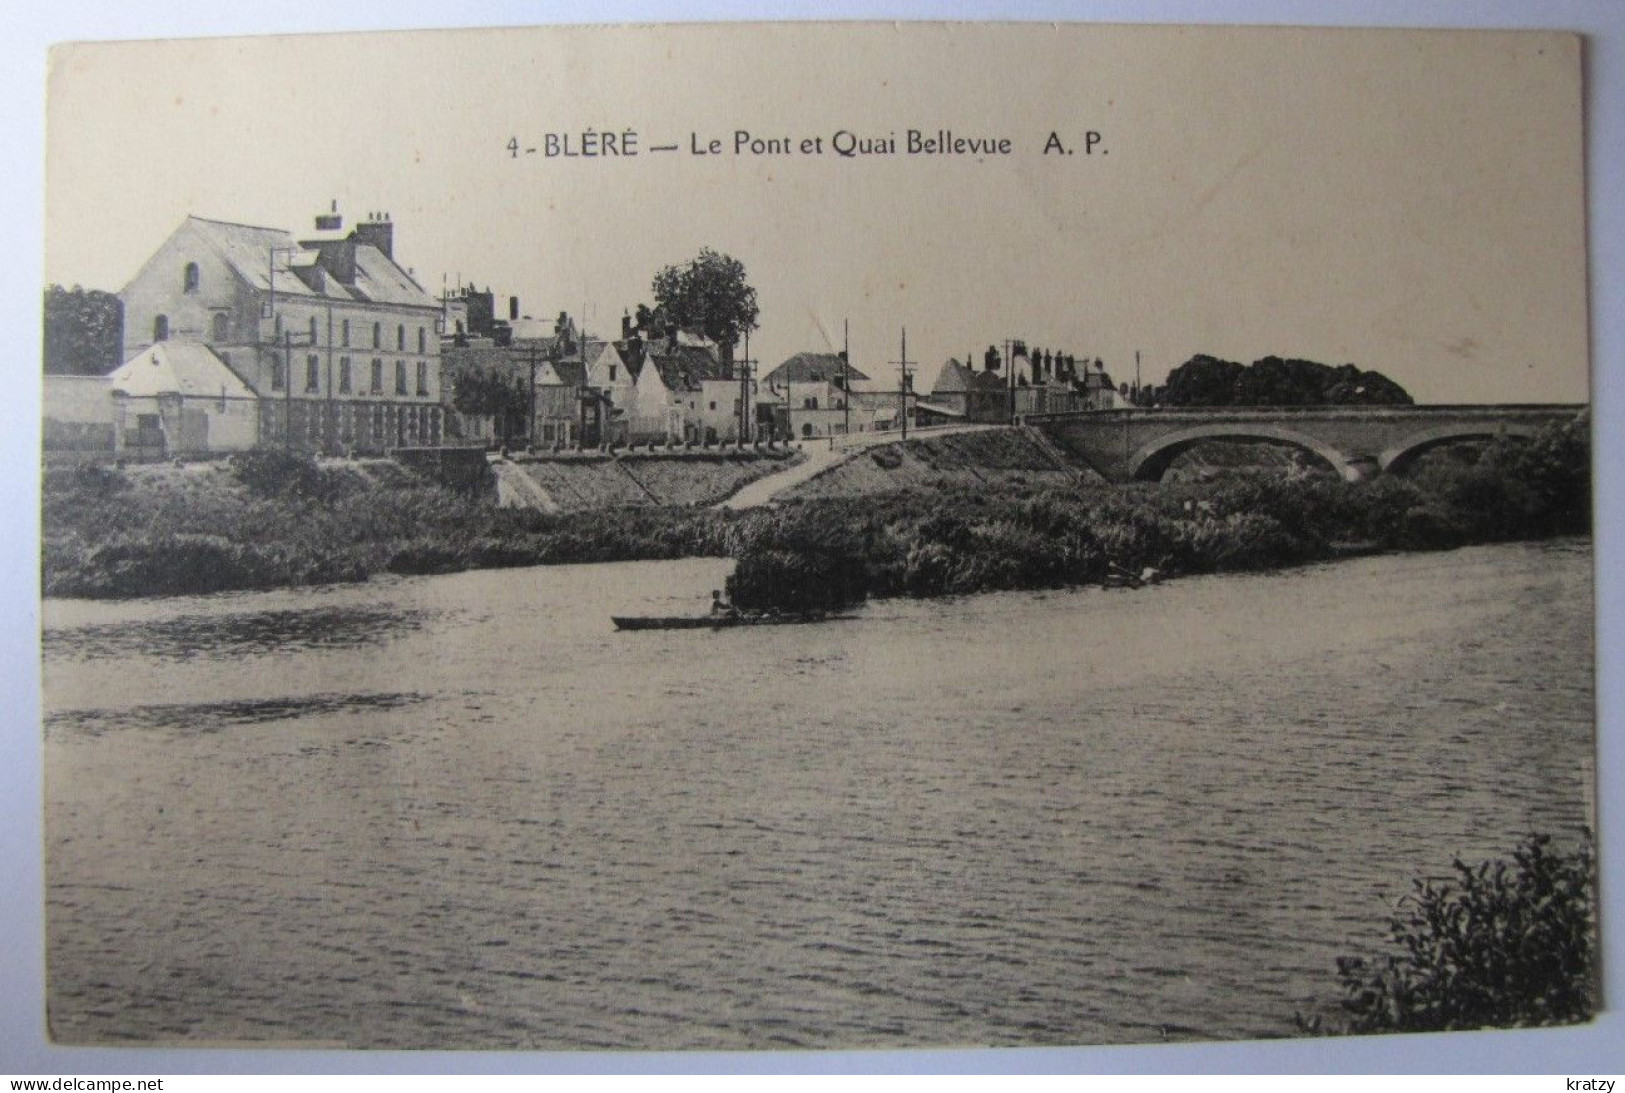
[(189, 279)]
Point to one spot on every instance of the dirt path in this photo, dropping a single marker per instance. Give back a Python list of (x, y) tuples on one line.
[(821, 458)]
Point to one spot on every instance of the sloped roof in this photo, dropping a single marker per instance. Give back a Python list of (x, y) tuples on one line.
[(570, 373), (247, 249), (381, 280), (686, 366), (952, 379), (178, 368), (482, 357), (802, 368)]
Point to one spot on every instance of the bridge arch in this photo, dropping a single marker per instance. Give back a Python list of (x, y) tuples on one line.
[(1401, 455), (1149, 463)]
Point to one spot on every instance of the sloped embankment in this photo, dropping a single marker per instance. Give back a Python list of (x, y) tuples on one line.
[(992, 459), (577, 483)]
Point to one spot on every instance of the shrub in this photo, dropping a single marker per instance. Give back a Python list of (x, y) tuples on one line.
[(1503, 944), (796, 581), (270, 472)]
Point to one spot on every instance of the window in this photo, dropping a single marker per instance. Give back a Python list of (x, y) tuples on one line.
[(377, 335), (160, 328), (400, 377), (810, 403), (377, 376), (400, 337), (344, 333), (189, 279), (612, 373), (313, 371), (344, 375), (713, 404), (423, 377), (422, 340), (222, 324), (277, 379), (313, 338)]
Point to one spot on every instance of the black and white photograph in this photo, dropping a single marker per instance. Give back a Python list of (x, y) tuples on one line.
[(816, 536)]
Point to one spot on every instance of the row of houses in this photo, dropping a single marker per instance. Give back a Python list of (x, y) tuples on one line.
[(238, 336)]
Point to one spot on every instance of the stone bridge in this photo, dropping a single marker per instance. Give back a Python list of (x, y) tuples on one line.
[(1357, 441)]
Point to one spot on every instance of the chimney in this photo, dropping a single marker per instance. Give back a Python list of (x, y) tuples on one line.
[(330, 221), (513, 308), (626, 327), (376, 231), (990, 359), (671, 337)]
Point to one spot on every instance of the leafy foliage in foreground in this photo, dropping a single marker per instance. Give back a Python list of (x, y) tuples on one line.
[(1503, 944)]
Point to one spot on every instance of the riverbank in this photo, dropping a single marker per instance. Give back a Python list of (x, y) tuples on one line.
[(269, 520)]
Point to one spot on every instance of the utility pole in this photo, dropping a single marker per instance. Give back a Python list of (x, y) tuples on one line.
[(745, 408), (846, 376), (1010, 375), (902, 382), (1137, 388)]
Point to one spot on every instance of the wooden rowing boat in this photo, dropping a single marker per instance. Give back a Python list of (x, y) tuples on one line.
[(714, 622)]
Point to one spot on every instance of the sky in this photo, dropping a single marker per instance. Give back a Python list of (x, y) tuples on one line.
[(1409, 202)]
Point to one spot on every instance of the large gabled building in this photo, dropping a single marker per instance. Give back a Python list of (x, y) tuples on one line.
[(334, 338)]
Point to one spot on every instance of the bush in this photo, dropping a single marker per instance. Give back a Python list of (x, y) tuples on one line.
[(1500, 945), (270, 472), (796, 581)]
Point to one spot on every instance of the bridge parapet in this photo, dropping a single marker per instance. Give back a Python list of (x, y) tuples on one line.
[(1356, 441)]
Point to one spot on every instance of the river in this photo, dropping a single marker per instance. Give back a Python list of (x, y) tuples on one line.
[(463, 811)]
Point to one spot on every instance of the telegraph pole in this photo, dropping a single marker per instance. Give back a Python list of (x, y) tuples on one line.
[(1010, 375), (902, 382), (745, 408), (846, 376)]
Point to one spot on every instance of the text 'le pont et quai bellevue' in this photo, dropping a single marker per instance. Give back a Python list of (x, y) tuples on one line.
[(842, 143)]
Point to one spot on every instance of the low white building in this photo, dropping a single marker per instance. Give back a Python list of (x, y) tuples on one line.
[(179, 398)]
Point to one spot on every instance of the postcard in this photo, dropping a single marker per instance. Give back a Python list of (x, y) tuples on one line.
[(816, 536)]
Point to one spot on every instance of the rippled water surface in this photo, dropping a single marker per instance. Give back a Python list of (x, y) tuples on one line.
[(463, 811)]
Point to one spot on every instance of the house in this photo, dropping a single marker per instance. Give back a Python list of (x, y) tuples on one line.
[(948, 392), (335, 340), (569, 412), (699, 394), (616, 380), (179, 398), (812, 391)]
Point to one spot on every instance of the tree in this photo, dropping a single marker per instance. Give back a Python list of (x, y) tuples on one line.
[(710, 294), (1273, 381), (84, 331), (477, 390)]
